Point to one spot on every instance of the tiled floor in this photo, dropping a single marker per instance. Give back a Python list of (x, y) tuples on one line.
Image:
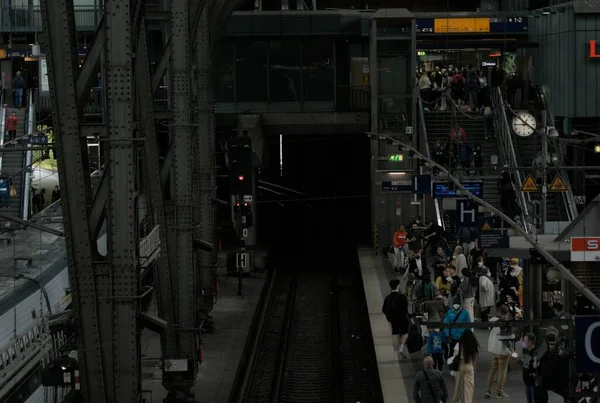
[(396, 377)]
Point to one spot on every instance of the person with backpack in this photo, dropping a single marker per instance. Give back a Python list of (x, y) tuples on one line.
[(18, 86), (395, 309), (467, 290), (436, 346), (430, 385), (456, 314)]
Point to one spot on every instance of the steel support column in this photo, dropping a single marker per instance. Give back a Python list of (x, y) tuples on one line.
[(145, 92), (206, 163), (181, 256), (62, 56), (104, 289)]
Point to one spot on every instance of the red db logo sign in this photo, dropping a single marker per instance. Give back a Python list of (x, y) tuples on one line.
[(585, 249)]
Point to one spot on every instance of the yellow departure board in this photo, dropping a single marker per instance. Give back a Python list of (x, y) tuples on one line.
[(461, 25)]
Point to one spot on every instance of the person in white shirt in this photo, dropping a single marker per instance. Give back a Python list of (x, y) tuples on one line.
[(498, 347), (487, 291), (425, 90), (460, 261)]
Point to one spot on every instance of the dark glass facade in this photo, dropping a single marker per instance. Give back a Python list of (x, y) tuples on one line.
[(278, 70)]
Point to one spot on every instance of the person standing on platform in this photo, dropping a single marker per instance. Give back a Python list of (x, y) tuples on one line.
[(395, 309), (499, 341), (459, 260), (467, 351), (400, 248), (529, 354), (487, 291), (430, 386)]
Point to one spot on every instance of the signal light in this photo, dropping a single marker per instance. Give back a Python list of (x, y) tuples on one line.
[(241, 177), (597, 148)]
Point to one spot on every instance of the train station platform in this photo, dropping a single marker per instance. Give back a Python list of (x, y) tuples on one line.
[(222, 349), (397, 376)]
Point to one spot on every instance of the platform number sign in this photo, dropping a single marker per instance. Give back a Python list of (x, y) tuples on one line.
[(241, 260), (580, 200)]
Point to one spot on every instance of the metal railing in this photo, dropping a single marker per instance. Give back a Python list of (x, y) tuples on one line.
[(2, 124), (425, 138), (352, 98), (509, 157), (29, 129), (567, 198), (29, 18)]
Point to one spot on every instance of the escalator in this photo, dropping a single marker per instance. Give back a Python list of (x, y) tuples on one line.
[(13, 161)]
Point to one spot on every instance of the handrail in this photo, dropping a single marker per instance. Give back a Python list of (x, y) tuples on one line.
[(30, 128), (509, 155), (436, 203), (568, 197), (2, 124)]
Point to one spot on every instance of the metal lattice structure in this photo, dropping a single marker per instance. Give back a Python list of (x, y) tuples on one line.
[(178, 186)]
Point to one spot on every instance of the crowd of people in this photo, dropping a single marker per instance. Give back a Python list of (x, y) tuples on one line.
[(456, 286)]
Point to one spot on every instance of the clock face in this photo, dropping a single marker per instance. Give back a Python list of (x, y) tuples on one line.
[(524, 124)]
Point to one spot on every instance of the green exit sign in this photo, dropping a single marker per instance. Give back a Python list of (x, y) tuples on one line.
[(395, 158)]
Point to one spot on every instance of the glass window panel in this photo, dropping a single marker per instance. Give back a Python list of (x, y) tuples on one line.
[(285, 60), (224, 69), (251, 71), (318, 70)]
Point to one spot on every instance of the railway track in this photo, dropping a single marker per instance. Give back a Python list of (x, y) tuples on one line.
[(296, 353)]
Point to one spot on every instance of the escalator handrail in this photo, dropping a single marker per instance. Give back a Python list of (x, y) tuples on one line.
[(26, 184), (436, 204), (2, 123), (511, 158), (568, 197)]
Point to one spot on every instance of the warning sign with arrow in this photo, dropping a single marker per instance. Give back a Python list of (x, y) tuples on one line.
[(558, 185), (530, 185)]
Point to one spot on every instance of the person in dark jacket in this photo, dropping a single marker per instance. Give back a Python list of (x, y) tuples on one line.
[(552, 367), (430, 385), (395, 309), (55, 194), (528, 356)]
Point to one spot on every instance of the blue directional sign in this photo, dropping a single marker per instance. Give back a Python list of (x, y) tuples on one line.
[(396, 186), (440, 190), (587, 344), (466, 212), (421, 184)]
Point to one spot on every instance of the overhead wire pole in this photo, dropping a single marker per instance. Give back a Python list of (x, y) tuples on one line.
[(544, 206), (566, 273)]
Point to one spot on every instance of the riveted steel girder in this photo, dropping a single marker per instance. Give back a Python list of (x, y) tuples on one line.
[(105, 288), (59, 23), (181, 217)]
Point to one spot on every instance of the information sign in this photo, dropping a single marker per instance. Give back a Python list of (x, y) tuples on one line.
[(395, 158), (493, 240), (587, 344), (461, 25), (442, 190), (579, 199), (396, 186)]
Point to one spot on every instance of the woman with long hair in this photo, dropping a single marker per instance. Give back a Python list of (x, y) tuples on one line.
[(467, 351)]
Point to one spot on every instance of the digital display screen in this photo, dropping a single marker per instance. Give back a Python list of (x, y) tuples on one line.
[(461, 25), (424, 25), (442, 190), (472, 25), (396, 186), (509, 25)]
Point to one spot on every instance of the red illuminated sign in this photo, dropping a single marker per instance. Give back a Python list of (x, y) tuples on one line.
[(594, 53)]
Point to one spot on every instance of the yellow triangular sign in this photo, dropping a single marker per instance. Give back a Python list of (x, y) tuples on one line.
[(558, 185), (486, 226), (529, 185)]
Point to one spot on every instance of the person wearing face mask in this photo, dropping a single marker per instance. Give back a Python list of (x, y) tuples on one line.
[(443, 283), (552, 367), (519, 276), (487, 291), (528, 356), (509, 286), (474, 254), (455, 315)]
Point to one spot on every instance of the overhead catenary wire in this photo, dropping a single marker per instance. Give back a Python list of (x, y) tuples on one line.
[(566, 273)]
